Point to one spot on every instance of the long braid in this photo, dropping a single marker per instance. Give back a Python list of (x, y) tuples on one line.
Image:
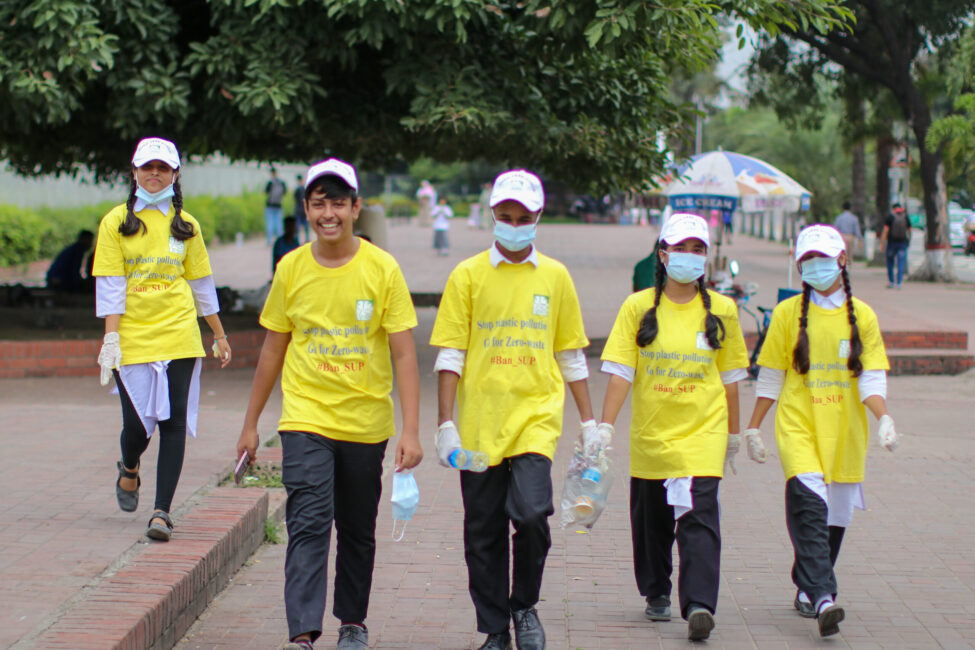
[(132, 223), (856, 345), (800, 354), (647, 332), (713, 326), (179, 228)]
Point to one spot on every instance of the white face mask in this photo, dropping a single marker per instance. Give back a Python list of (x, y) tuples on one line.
[(152, 198), (685, 267), (820, 272), (405, 498)]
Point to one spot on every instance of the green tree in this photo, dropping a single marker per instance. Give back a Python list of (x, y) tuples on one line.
[(576, 88)]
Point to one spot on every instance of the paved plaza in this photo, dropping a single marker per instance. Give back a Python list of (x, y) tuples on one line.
[(906, 572)]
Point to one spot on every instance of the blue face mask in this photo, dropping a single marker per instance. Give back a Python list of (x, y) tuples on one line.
[(685, 267), (820, 272), (514, 238), (405, 498), (152, 199)]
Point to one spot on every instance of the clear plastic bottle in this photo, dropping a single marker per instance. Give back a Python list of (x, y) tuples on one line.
[(472, 461)]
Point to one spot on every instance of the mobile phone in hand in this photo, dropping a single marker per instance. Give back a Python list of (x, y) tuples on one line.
[(242, 463)]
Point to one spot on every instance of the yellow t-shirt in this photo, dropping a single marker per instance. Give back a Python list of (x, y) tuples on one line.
[(159, 322), (821, 424), (511, 320), (680, 411), (338, 374)]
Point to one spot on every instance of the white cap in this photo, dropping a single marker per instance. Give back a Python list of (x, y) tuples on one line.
[(333, 167), (683, 225), (518, 185), (155, 149), (822, 239)]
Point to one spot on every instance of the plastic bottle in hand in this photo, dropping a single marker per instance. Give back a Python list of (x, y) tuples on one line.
[(472, 461)]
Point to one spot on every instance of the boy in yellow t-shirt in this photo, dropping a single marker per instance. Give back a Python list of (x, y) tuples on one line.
[(681, 348), (508, 323), (337, 311), (823, 359)]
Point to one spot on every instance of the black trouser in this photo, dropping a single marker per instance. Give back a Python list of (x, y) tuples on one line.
[(698, 535), (815, 544), (172, 432), (329, 480), (519, 490)]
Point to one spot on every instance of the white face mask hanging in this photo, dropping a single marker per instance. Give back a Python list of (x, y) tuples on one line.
[(405, 498)]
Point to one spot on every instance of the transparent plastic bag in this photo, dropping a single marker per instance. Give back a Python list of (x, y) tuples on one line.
[(586, 489)]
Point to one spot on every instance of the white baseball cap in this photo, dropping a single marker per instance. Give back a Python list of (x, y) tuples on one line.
[(518, 185), (332, 167), (820, 238), (155, 149), (683, 225)]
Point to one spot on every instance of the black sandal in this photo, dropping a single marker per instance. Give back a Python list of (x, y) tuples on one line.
[(159, 531), (128, 500)]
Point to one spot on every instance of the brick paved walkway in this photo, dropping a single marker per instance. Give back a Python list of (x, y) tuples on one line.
[(907, 571)]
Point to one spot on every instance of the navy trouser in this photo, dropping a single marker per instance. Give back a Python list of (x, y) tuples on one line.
[(329, 480), (698, 535), (519, 491), (172, 432), (815, 544)]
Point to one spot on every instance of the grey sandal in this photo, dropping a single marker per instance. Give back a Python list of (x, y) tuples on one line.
[(128, 500), (159, 531)]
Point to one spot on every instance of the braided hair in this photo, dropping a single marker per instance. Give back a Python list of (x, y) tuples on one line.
[(800, 354), (713, 326), (179, 228)]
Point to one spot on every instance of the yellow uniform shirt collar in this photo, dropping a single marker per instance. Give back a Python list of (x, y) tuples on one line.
[(497, 257)]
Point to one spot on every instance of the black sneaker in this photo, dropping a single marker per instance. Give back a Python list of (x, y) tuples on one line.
[(353, 637), (805, 608), (497, 641), (829, 620), (700, 622), (658, 608), (529, 634)]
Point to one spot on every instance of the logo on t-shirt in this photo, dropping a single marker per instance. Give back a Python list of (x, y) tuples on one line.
[(702, 342), (177, 246), (844, 352), (363, 309), (540, 305)]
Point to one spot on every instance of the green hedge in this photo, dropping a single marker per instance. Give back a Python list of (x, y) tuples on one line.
[(27, 234)]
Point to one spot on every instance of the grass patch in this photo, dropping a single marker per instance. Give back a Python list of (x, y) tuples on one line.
[(273, 441), (272, 532)]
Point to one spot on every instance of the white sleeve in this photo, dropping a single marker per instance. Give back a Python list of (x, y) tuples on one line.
[(872, 382), (618, 369), (573, 365), (450, 359), (205, 294), (109, 295), (731, 376), (770, 382)]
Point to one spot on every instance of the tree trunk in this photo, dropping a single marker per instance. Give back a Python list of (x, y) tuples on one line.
[(858, 174), (881, 194)]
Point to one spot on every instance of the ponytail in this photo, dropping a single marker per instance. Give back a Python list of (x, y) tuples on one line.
[(132, 223), (856, 345), (713, 326), (648, 325), (800, 354)]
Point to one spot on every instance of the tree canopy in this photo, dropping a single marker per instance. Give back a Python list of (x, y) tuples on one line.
[(576, 88)]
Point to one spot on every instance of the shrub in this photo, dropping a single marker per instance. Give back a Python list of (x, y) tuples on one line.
[(22, 233)]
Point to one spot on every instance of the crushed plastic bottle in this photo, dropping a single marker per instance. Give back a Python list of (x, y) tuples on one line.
[(471, 461), (586, 489)]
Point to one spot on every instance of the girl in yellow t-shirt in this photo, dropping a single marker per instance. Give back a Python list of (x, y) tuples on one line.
[(823, 360), (681, 348), (152, 270)]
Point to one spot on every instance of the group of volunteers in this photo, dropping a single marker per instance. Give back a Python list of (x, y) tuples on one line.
[(509, 329)]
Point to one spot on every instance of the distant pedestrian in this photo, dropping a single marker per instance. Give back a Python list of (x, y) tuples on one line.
[(442, 214), (273, 212), (895, 240), (339, 321), (152, 276), (300, 215), (823, 361), (65, 272), (426, 198), (848, 226), (285, 243)]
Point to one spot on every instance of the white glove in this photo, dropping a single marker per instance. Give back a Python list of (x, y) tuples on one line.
[(734, 442), (888, 436), (448, 440), (754, 445), (595, 438), (110, 356)]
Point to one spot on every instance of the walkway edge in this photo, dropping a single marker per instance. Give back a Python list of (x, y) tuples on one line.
[(152, 601)]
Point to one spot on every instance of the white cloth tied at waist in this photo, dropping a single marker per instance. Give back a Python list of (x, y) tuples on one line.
[(147, 385), (840, 498), (679, 495)]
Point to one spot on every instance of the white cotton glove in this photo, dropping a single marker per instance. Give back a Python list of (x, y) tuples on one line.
[(888, 436), (448, 439), (734, 442), (754, 445), (110, 356), (594, 438)]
